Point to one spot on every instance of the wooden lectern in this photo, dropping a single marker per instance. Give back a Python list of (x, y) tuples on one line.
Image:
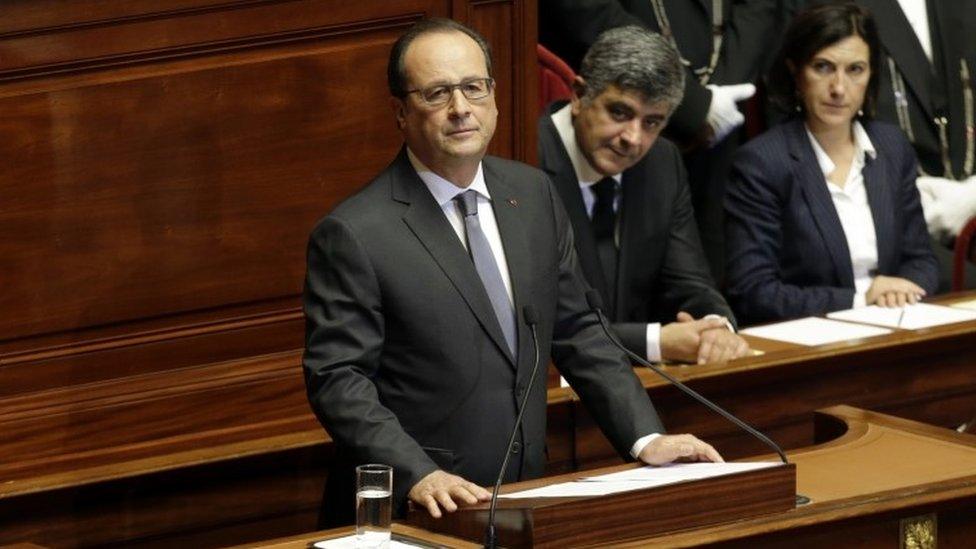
[(572, 521)]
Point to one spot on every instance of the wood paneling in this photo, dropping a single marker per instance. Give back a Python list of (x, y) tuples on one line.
[(166, 160)]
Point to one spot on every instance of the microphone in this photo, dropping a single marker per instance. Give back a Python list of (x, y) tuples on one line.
[(531, 318), (596, 303)]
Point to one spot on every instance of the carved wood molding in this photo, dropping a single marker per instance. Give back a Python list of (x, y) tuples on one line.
[(201, 49)]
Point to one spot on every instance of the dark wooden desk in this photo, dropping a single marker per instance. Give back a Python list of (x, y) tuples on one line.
[(927, 375), (877, 479), (874, 481)]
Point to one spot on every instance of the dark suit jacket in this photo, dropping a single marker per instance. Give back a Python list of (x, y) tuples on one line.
[(405, 362), (569, 27), (661, 268), (787, 254)]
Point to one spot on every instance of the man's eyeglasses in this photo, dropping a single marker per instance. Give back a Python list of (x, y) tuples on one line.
[(476, 88)]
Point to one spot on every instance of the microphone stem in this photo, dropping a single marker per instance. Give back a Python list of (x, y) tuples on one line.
[(491, 537), (691, 392)]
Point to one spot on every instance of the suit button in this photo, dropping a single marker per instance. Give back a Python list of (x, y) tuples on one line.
[(517, 447)]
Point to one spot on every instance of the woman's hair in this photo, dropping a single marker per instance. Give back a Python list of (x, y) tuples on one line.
[(813, 30)]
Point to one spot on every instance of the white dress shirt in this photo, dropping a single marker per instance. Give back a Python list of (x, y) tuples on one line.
[(917, 14), (444, 192), (853, 209)]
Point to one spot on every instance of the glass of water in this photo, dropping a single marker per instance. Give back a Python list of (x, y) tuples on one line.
[(374, 500)]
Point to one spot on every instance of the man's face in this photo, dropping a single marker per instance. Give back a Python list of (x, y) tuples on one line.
[(455, 133), (615, 129)]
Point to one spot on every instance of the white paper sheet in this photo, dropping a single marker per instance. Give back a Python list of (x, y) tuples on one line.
[(814, 331), (909, 317), (677, 472), (349, 542), (971, 305), (637, 479)]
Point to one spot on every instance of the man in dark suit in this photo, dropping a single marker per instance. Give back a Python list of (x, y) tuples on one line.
[(724, 45), (626, 194), (417, 353)]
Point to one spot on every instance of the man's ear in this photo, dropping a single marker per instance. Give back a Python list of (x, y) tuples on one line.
[(791, 67), (579, 90), (399, 111)]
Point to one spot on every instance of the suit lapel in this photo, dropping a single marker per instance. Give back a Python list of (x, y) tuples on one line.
[(556, 163), (902, 44), (426, 220), (633, 225), (505, 203), (823, 212), (882, 212)]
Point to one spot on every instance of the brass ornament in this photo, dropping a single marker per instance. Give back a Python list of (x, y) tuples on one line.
[(919, 532)]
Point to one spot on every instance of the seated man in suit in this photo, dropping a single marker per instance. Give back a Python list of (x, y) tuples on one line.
[(627, 196), (417, 352)]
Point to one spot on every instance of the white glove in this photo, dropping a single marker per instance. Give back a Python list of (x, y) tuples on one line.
[(947, 204), (723, 114)]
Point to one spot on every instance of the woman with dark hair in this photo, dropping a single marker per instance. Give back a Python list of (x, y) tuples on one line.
[(822, 212)]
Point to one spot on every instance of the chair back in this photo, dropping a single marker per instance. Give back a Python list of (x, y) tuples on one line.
[(555, 77)]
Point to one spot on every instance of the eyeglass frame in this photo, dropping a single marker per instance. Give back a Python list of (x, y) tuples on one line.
[(489, 82)]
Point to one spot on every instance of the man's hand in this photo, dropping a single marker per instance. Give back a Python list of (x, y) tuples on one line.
[(701, 341), (441, 489), (892, 291), (723, 114), (668, 448), (721, 345)]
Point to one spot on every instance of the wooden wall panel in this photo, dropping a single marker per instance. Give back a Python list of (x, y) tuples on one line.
[(187, 189), (170, 158)]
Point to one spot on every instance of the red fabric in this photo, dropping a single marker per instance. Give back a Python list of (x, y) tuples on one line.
[(555, 77), (964, 243)]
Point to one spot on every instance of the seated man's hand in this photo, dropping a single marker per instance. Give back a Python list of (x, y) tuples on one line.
[(441, 489), (668, 448), (721, 345), (892, 291), (682, 340)]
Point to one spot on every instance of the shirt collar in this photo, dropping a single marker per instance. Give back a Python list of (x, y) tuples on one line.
[(862, 146), (586, 175), (443, 190)]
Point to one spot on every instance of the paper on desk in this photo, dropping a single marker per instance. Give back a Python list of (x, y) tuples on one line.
[(637, 479), (580, 488), (920, 315), (814, 331), (349, 542), (971, 304), (679, 472)]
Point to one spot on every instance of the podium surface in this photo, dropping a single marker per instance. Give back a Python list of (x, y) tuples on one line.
[(872, 479)]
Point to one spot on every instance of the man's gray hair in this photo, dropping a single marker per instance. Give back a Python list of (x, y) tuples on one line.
[(634, 59)]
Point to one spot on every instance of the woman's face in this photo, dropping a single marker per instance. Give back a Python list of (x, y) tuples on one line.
[(832, 84)]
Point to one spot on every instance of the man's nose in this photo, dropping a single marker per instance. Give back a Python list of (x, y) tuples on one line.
[(458, 105), (631, 133)]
